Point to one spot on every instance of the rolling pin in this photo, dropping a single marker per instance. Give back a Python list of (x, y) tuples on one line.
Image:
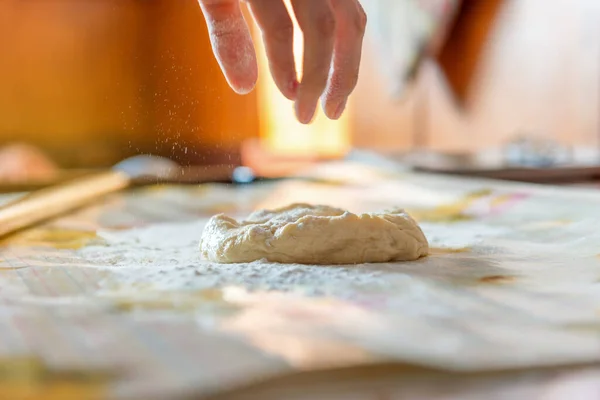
[(52, 201)]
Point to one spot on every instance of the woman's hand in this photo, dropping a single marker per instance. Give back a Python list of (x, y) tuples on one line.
[(333, 34)]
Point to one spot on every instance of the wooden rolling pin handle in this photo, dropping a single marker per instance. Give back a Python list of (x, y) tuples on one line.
[(56, 200)]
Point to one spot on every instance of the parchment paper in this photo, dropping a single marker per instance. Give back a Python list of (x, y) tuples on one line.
[(118, 290)]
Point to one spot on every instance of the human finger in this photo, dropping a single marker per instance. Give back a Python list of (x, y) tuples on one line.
[(351, 22), (232, 43), (277, 30), (317, 22)]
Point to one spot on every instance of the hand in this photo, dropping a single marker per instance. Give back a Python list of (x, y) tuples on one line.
[(333, 33)]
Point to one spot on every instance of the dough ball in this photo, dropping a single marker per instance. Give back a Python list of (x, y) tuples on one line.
[(307, 234)]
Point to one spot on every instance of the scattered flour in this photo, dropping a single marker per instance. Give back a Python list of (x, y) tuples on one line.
[(166, 256)]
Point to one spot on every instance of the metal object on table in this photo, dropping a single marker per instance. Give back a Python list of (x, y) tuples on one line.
[(525, 158), (535, 151)]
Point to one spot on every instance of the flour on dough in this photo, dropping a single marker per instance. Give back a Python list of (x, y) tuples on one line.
[(309, 234)]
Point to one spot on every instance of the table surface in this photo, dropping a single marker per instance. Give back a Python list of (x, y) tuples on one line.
[(114, 301)]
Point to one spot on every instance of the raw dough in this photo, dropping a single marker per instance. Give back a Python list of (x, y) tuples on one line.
[(307, 234)]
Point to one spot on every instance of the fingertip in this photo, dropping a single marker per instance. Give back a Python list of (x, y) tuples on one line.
[(305, 113), (242, 90), (338, 109), (240, 68), (232, 45), (292, 91), (242, 83), (331, 105)]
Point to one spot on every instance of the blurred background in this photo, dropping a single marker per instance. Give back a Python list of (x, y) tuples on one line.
[(88, 83)]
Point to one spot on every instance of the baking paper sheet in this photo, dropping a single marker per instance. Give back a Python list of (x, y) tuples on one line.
[(115, 298)]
